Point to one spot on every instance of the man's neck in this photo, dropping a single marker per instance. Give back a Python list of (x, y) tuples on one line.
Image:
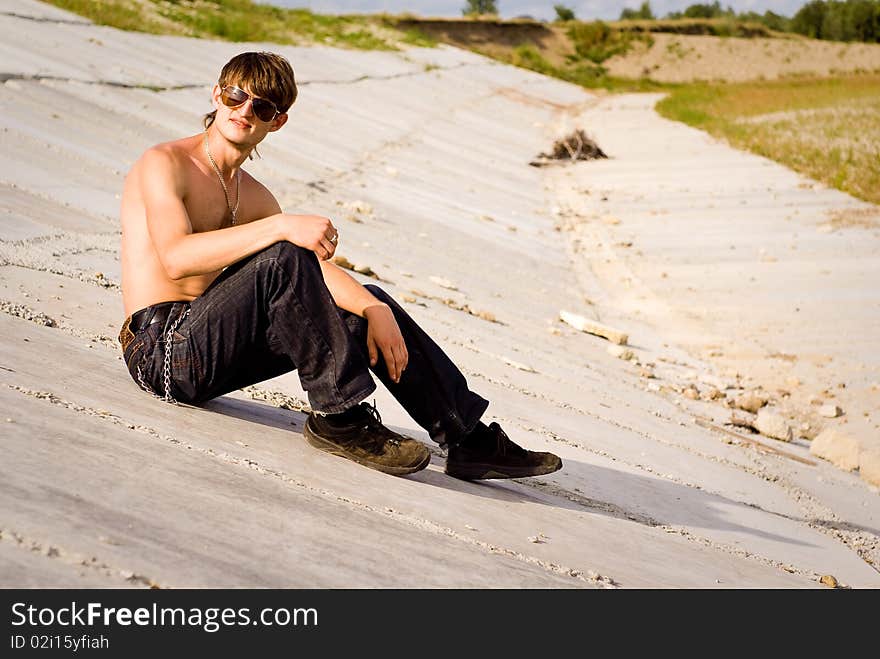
[(227, 155)]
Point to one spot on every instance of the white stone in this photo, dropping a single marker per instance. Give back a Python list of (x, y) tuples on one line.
[(830, 411), (620, 352), (445, 283), (773, 425), (838, 447), (750, 402), (869, 467)]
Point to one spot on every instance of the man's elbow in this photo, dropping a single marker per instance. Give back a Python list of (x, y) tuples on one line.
[(174, 269)]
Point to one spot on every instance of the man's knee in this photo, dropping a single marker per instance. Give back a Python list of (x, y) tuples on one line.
[(290, 256), (378, 293)]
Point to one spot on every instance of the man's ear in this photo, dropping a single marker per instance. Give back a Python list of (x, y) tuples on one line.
[(278, 122), (215, 97)]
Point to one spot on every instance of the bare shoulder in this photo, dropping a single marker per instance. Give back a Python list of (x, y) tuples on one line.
[(260, 200), (166, 162), (171, 155)]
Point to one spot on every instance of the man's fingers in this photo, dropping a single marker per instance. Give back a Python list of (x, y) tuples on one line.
[(371, 349), (325, 249), (391, 364), (399, 359)]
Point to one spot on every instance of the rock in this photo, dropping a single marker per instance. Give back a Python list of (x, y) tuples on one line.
[(620, 352), (365, 270), (869, 467), (343, 262), (838, 447), (445, 283), (750, 402), (359, 206), (830, 411), (712, 394), (829, 581), (691, 392), (519, 365), (773, 425), (646, 373), (593, 327), (742, 422)]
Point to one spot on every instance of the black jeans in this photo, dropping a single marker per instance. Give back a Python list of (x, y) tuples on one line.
[(272, 313)]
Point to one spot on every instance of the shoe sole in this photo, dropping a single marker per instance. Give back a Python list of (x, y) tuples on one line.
[(320, 443), (477, 471)]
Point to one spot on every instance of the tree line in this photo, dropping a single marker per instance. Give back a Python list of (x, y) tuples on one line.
[(834, 20)]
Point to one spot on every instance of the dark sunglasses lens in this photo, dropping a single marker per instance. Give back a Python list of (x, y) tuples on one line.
[(233, 96), (264, 109)]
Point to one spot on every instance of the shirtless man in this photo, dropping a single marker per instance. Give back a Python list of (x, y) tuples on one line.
[(222, 290)]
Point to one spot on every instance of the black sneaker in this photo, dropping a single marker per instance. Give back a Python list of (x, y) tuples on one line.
[(360, 436), (489, 453)]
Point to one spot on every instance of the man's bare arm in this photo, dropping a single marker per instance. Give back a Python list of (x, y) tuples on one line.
[(347, 292), (383, 333), (185, 254)]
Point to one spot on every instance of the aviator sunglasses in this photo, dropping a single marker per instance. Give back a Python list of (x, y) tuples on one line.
[(232, 97)]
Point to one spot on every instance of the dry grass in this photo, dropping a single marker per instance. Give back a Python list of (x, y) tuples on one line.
[(863, 218), (828, 129)]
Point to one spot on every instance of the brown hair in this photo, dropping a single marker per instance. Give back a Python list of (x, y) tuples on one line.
[(267, 75)]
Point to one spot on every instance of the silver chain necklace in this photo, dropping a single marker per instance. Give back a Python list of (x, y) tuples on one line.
[(232, 209)]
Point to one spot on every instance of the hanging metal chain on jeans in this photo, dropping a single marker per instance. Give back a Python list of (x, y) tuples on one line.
[(166, 370)]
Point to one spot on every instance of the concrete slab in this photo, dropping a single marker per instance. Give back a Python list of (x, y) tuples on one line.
[(259, 439)]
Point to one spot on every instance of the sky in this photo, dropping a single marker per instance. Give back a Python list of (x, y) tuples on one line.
[(584, 9)]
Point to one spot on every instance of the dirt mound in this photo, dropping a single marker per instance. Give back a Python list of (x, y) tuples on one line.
[(660, 53), (577, 145), (687, 58)]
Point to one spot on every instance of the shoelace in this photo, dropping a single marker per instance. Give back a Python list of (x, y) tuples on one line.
[(374, 422), (504, 442)]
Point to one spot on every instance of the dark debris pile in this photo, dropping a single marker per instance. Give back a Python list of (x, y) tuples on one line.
[(574, 146)]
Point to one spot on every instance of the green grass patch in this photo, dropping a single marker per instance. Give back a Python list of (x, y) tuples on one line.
[(583, 73), (828, 129), (245, 20), (597, 41), (122, 14), (715, 27)]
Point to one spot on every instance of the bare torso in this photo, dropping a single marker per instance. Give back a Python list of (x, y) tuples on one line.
[(144, 279)]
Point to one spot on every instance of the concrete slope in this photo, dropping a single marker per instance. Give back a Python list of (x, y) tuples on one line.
[(422, 159)]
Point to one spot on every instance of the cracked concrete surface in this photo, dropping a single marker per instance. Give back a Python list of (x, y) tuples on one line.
[(103, 485)]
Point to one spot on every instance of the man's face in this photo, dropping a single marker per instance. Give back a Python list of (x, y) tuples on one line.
[(239, 122)]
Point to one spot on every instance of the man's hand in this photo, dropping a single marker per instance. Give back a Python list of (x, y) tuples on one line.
[(313, 232), (383, 335)]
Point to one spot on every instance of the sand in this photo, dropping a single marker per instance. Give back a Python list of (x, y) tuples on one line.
[(426, 170), (687, 58)]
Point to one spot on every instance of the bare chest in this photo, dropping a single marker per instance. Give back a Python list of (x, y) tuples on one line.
[(206, 202)]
